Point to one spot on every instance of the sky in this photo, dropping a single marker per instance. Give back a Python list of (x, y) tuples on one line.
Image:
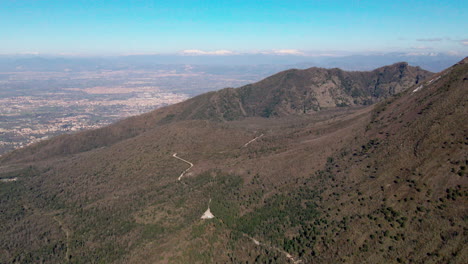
[(219, 27)]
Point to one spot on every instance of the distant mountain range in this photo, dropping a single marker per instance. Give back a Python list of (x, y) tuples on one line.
[(305, 166), (431, 61)]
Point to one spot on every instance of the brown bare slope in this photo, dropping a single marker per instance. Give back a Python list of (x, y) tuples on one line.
[(400, 196), (292, 92), (304, 91)]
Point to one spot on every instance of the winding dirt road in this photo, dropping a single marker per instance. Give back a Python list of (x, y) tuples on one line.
[(246, 144), (186, 161)]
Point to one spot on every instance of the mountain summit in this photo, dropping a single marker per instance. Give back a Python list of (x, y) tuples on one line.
[(304, 91)]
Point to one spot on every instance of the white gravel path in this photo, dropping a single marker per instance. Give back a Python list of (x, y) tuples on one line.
[(188, 162)]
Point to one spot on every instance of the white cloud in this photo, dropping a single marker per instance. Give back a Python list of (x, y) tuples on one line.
[(140, 53), (281, 52), (464, 42), (421, 48), (431, 54), (201, 52), (288, 52), (326, 55)]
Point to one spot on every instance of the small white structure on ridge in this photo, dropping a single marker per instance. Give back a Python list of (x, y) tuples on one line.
[(208, 214)]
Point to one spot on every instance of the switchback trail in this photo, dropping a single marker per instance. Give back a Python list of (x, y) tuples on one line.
[(246, 144), (188, 162)]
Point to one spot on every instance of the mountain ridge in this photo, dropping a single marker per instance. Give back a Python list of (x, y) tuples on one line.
[(283, 93), (291, 92)]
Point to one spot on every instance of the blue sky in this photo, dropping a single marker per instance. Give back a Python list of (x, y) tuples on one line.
[(224, 27)]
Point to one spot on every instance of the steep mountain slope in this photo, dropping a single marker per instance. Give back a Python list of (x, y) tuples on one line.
[(292, 92), (402, 195), (377, 184), (305, 91), (301, 91)]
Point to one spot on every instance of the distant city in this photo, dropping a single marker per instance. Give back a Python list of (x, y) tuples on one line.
[(38, 105)]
